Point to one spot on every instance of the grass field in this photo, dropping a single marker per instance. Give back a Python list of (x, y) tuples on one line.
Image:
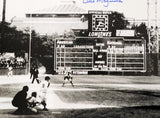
[(94, 96)]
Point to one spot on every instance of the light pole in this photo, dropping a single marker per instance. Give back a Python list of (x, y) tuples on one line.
[(30, 40), (4, 11), (148, 30), (156, 26), (3, 23)]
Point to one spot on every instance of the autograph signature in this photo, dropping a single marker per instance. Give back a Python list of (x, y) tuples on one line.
[(106, 2)]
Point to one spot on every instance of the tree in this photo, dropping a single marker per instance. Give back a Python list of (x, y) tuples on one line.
[(13, 40), (141, 31), (117, 21), (42, 49)]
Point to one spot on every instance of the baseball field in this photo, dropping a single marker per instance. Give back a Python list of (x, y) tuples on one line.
[(93, 96)]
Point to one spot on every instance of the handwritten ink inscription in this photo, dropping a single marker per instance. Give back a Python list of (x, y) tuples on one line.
[(104, 2)]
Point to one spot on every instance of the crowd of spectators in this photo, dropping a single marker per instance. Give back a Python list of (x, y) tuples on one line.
[(17, 62)]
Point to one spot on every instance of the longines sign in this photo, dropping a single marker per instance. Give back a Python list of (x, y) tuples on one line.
[(100, 34)]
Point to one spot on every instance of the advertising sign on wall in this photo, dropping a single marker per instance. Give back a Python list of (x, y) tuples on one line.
[(125, 33)]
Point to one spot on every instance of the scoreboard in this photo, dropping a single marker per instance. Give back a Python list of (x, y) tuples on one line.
[(104, 49), (84, 54)]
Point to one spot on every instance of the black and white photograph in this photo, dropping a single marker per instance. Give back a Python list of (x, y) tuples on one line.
[(79, 59)]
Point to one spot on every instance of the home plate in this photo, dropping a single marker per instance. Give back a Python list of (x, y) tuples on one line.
[(56, 112)]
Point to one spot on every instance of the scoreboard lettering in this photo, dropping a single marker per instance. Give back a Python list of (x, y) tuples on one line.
[(99, 58), (100, 34)]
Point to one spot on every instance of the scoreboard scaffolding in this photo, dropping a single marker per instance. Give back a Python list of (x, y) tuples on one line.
[(110, 54)]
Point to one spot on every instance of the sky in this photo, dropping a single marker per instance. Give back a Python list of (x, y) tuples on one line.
[(134, 9)]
